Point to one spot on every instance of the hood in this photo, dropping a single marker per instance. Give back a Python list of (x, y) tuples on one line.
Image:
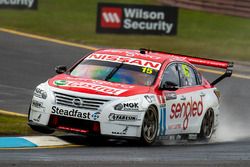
[(91, 86)]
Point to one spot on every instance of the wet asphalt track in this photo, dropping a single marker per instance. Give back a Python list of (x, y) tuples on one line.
[(26, 62)]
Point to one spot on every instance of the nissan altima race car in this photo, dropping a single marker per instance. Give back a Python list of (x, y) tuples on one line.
[(132, 94)]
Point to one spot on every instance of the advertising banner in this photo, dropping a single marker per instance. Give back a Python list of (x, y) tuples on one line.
[(136, 19), (19, 4)]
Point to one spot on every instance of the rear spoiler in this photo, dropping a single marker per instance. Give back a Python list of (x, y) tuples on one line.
[(203, 61)]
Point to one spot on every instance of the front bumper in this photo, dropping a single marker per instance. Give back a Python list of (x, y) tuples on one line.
[(89, 127), (106, 122), (57, 111)]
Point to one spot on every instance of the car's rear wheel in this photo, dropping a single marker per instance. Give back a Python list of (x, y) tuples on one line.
[(207, 126), (149, 126)]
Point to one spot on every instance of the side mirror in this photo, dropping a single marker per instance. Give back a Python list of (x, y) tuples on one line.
[(168, 85), (60, 69)]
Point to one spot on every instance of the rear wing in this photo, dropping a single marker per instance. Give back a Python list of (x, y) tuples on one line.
[(214, 63), (228, 66)]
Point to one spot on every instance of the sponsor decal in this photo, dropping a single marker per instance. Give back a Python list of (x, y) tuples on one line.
[(19, 4), (38, 118), (150, 99), (127, 106), (111, 17), (91, 86), (128, 53), (142, 19), (161, 101), (73, 129), (96, 115), (37, 104), (130, 106), (125, 60), (40, 93), (163, 121), (176, 126), (170, 95), (77, 102), (185, 70), (186, 110), (60, 82), (70, 113), (124, 132), (121, 117), (99, 82)]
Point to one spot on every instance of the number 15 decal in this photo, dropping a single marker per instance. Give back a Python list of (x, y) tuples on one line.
[(147, 70)]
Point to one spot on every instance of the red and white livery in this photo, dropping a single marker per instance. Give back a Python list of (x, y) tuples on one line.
[(138, 94)]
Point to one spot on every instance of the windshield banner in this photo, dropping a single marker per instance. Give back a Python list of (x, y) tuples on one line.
[(125, 60)]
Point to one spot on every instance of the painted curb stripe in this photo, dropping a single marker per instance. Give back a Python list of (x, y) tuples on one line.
[(45, 141), (47, 39), (16, 142), (34, 142), (43, 147), (13, 114)]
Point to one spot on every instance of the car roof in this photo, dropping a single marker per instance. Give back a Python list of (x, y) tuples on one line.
[(159, 57)]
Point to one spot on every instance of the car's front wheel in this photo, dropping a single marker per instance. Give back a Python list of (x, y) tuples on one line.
[(149, 126), (207, 126)]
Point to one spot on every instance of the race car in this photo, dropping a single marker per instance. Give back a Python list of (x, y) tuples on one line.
[(132, 94)]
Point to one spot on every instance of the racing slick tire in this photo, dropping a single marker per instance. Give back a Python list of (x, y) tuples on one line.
[(149, 127), (207, 126)]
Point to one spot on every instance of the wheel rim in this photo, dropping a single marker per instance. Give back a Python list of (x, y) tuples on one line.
[(150, 125), (208, 124)]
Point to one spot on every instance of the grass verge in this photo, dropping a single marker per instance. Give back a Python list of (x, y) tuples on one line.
[(199, 33), (14, 126)]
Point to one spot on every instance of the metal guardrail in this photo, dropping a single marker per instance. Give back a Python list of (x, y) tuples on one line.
[(229, 7)]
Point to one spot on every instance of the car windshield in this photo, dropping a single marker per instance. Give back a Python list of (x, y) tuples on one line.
[(115, 72)]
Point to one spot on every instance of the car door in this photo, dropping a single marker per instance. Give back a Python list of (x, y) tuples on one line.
[(192, 94), (181, 108), (169, 99)]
